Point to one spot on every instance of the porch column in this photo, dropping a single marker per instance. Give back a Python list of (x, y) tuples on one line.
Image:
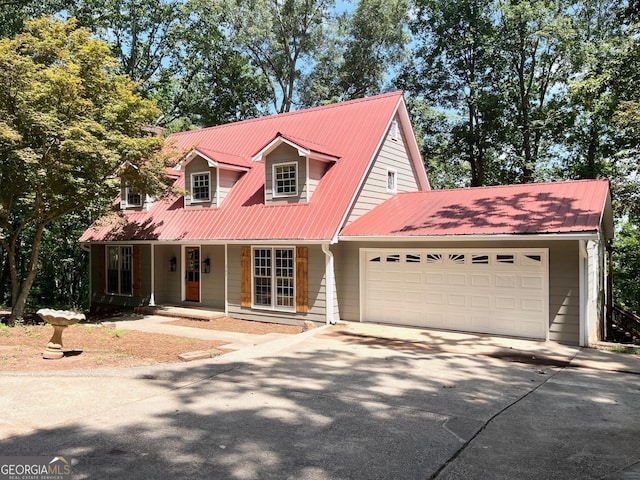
[(329, 284), (152, 297)]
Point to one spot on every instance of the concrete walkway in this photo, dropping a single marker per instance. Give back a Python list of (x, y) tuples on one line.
[(161, 324), (353, 401)]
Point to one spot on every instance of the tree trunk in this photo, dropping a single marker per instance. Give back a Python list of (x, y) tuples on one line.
[(20, 300)]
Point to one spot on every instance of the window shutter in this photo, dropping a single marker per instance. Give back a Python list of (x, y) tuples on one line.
[(245, 277), (137, 271), (102, 267), (302, 282)]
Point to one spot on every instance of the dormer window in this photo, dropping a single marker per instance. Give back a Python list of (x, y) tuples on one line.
[(392, 186), (285, 180), (134, 199), (200, 187)]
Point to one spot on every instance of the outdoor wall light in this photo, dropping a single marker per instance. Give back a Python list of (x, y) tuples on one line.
[(173, 263), (206, 265)]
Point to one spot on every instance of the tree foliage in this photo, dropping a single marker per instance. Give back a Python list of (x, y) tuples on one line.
[(68, 121), (359, 52), (278, 36)]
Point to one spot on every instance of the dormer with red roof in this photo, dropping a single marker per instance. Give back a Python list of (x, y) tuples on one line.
[(209, 176), (293, 168)]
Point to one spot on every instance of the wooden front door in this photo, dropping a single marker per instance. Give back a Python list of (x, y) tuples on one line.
[(192, 274)]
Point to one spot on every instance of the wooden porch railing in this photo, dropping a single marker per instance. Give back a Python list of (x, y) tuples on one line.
[(626, 326)]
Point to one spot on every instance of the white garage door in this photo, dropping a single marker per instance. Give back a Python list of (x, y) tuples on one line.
[(488, 291)]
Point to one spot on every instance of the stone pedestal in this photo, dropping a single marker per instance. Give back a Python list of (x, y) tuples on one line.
[(59, 320)]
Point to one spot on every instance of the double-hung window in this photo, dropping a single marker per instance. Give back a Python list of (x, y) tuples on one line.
[(285, 180), (274, 278), (134, 199), (120, 270), (201, 187)]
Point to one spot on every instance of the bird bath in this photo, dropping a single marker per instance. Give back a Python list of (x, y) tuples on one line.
[(59, 320)]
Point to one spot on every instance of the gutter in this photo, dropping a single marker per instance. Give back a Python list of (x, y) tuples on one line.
[(329, 284), (470, 238)]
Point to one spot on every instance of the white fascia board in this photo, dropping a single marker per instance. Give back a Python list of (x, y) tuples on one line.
[(275, 143), (207, 242), (190, 156), (472, 238), (412, 144), (210, 162), (414, 156)]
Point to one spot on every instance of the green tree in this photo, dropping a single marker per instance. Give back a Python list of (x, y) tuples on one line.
[(279, 36), (592, 139), (13, 13), (207, 81), (535, 39), (68, 121), (361, 53), (626, 266), (454, 68), (143, 34)]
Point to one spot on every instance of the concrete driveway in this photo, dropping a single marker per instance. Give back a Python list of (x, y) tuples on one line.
[(346, 402)]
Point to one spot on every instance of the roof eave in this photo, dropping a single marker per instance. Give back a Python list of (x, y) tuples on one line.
[(470, 237)]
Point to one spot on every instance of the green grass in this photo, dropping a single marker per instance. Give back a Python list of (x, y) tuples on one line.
[(117, 332), (624, 349)]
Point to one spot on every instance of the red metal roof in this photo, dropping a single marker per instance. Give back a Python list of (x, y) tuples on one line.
[(558, 207), (350, 130)]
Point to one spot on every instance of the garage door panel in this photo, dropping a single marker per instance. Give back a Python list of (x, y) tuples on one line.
[(483, 280), (505, 303), (532, 304), (473, 290), (457, 300), (533, 282), (506, 280), (434, 278), (457, 279), (435, 298), (480, 301)]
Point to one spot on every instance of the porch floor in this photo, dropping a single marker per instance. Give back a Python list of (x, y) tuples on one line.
[(183, 311)]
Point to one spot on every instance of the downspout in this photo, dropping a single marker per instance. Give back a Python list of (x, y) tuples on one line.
[(583, 288), (329, 284), (152, 297), (226, 280)]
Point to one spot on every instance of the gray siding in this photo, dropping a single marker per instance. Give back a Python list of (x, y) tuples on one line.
[(393, 154), (212, 284), (98, 268), (285, 154), (226, 180), (317, 299), (167, 284), (316, 170), (199, 165), (564, 281)]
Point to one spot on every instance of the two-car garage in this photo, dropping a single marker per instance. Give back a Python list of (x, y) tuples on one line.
[(476, 290)]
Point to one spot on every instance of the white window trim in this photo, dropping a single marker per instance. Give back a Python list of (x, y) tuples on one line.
[(395, 132), (199, 200), (126, 198), (106, 270), (274, 191), (273, 306), (394, 189)]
